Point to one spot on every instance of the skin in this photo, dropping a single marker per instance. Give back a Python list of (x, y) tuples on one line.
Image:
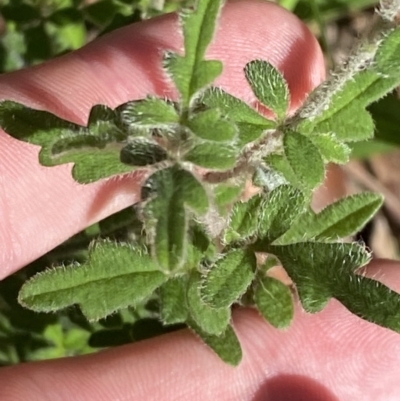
[(330, 356)]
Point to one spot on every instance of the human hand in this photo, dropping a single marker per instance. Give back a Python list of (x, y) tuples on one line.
[(331, 356)]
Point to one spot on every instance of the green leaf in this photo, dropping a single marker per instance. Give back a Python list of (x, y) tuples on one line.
[(370, 300), (228, 279), (191, 72), (274, 300), (173, 301), (348, 128), (210, 125), (284, 172), (353, 95), (251, 124), (320, 270), (210, 320), (280, 210), (331, 149), (227, 194), (338, 220), (211, 155), (269, 85), (67, 28), (200, 246), (95, 150), (102, 12), (304, 158), (226, 345), (324, 271), (149, 112), (142, 152), (385, 114), (243, 219), (236, 109), (98, 289), (172, 191)]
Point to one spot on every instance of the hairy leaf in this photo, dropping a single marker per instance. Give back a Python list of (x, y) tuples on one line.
[(236, 109), (243, 219), (269, 85), (173, 301), (94, 150), (172, 189), (346, 127), (304, 159), (226, 345), (225, 195), (337, 113), (211, 320), (210, 125), (274, 300), (280, 210), (212, 155), (149, 112), (331, 149), (370, 300), (191, 72), (251, 124), (280, 165), (320, 270), (338, 220), (387, 119), (98, 289), (142, 152), (228, 279), (323, 271)]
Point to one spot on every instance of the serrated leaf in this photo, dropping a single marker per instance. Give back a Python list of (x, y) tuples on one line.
[(280, 210), (172, 190), (210, 125), (210, 320), (173, 301), (212, 155), (269, 86), (226, 345), (319, 270), (150, 112), (274, 301), (251, 124), (142, 152), (228, 279), (331, 149), (243, 220), (98, 289), (191, 72), (304, 159), (95, 150), (338, 220)]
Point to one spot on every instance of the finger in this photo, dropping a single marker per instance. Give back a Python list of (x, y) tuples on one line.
[(329, 356), (41, 207)]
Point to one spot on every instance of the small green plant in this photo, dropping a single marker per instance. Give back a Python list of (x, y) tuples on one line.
[(197, 252)]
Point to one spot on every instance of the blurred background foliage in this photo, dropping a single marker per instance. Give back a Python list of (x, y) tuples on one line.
[(33, 31)]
